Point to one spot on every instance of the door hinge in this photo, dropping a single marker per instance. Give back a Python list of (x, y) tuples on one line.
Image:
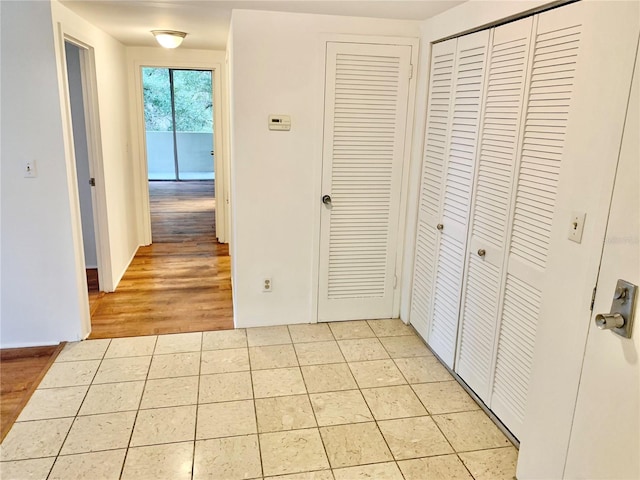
[(92, 182), (593, 298), (411, 70), (395, 281)]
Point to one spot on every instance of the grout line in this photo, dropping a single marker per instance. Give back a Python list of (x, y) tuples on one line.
[(255, 410), (195, 423)]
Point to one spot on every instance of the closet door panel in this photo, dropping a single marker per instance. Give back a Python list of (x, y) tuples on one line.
[(469, 77), (435, 153), (498, 146), (547, 111)]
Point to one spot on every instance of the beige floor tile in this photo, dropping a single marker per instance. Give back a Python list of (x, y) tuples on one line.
[(107, 431), (84, 350), (127, 369), (70, 374), (471, 431), (317, 475), (171, 461), (226, 419), (387, 403), (356, 444), (53, 403), (42, 438), (263, 336), (377, 373), (310, 332), (170, 392), (175, 365), (423, 369), (112, 397), (225, 361), (131, 347), (164, 425), (339, 408), (378, 471), (227, 458), (272, 356), (224, 339), (446, 466), (497, 464), (89, 466), (318, 353), (276, 414), (328, 378), (279, 382), (414, 437), (178, 343), (36, 469), (224, 387), (292, 452), (444, 397), (351, 330), (390, 328), (404, 347), (362, 349)]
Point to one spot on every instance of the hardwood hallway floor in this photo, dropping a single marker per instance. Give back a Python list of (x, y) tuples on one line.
[(179, 283)]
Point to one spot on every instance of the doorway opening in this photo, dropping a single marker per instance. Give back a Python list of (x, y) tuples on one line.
[(84, 169)]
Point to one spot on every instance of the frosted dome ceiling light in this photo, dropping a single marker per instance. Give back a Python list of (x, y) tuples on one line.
[(169, 38)]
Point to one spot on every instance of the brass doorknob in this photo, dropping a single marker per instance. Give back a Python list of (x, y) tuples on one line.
[(440, 227), (482, 252)]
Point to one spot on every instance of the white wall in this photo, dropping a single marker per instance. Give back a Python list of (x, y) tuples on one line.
[(277, 67), (40, 297), (82, 154), (114, 176), (138, 57)]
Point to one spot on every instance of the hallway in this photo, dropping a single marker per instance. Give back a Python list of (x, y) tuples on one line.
[(179, 283)]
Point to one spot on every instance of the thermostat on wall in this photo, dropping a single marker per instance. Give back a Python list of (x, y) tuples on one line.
[(279, 122)]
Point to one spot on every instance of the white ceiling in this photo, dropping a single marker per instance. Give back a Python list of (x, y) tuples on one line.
[(207, 21)]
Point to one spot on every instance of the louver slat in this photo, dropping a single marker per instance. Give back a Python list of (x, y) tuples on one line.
[(365, 115), (507, 70)]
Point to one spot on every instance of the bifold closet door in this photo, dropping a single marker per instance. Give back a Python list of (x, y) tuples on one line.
[(492, 199), (366, 97), (455, 194)]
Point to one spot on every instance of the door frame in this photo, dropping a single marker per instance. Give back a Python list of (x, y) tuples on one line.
[(414, 44), (96, 166), (141, 164)]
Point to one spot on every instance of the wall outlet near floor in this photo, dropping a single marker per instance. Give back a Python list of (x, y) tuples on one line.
[(267, 285)]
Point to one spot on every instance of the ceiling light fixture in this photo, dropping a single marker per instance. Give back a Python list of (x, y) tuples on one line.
[(169, 38)]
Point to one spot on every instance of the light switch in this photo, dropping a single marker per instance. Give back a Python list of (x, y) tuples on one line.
[(30, 170), (576, 226)]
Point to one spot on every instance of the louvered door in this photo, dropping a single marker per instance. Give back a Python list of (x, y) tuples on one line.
[(366, 95), (435, 153), (469, 73), (547, 112), (498, 147)]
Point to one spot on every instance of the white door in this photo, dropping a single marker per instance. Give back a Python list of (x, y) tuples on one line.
[(468, 90), (366, 95), (605, 439)]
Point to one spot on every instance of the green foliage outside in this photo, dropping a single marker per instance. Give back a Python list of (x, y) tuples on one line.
[(193, 102)]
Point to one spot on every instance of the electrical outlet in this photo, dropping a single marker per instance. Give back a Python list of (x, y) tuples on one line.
[(30, 170), (267, 285), (576, 226)]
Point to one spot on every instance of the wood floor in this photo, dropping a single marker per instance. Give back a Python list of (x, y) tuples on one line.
[(21, 370), (180, 283)]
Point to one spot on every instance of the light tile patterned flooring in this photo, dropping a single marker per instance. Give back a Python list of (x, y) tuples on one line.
[(341, 401)]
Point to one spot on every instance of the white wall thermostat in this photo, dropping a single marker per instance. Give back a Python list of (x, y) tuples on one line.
[(279, 122)]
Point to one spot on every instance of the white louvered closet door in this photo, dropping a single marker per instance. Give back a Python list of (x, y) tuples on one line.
[(366, 95), (547, 112), (435, 153), (498, 148), (469, 74)]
